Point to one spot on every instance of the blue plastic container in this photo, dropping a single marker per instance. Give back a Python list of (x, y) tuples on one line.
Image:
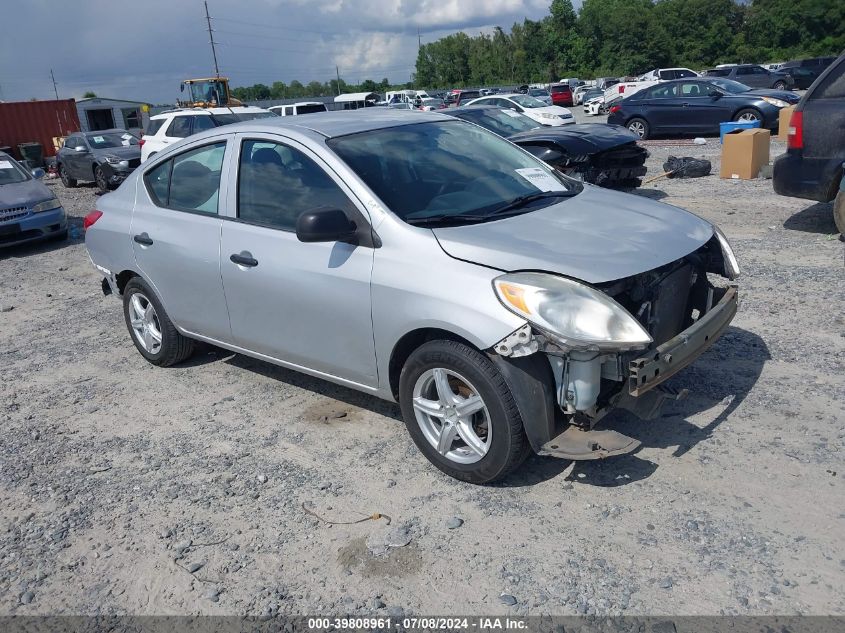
[(733, 126)]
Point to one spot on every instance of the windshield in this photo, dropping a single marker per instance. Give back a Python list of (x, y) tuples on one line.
[(106, 140), (208, 92), (527, 102), (502, 122), (538, 93), (11, 172), (421, 171), (729, 85), (228, 119)]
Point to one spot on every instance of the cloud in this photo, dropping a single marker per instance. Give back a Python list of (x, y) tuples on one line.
[(142, 50)]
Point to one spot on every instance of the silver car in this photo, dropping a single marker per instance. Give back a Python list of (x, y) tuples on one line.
[(424, 260)]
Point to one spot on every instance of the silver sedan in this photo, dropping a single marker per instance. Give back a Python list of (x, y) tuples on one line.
[(424, 260)]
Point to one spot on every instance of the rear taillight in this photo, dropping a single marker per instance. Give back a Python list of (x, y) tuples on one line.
[(615, 108), (795, 138), (141, 143), (621, 88), (89, 220)]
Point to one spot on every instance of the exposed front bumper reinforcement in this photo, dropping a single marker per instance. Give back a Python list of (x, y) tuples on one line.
[(577, 444), (649, 371)]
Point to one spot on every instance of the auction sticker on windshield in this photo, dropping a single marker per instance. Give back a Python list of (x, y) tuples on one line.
[(99, 139), (4, 164), (541, 179)]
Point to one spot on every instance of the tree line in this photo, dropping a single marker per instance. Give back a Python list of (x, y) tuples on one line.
[(296, 89), (608, 38), (630, 37)]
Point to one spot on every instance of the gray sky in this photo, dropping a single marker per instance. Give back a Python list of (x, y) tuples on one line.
[(141, 50)]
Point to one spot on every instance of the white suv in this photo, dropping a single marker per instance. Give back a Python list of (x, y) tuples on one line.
[(293, 109), (174, 125)]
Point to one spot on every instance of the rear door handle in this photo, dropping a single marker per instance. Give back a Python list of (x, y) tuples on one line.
[(143, 239), (244, 258)]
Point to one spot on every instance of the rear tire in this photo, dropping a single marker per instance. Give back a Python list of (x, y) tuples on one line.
[(496, 442), (640, 127), (748, 114), (152, 331), (67, 181)]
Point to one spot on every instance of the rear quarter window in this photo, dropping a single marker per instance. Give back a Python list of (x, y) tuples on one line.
[(154, 126), (832, 86)]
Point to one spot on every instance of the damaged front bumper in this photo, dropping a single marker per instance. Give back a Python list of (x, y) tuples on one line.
[(648, 371)]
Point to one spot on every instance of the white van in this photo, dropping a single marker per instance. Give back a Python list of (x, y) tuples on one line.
[(304, 107)]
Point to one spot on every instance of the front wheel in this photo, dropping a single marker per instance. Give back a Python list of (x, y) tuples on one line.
[(639, 127), (780, 85), (460, 412), (839, 212), (101, 180), (67, 181), (151, 329), (748, 115)]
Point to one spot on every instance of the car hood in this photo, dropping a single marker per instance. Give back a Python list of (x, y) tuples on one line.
[(597, 236), (581, 138), (125, 152), (27, 193), (784, 95)]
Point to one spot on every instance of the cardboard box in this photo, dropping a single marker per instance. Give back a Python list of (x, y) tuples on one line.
[(744, 153), (783, 122)]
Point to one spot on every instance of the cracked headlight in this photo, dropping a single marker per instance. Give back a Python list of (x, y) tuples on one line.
[(47, 205), (572, 314), (778, 103), (731, 263)]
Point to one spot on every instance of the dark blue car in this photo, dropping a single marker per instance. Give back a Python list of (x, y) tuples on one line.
[(697, 106)]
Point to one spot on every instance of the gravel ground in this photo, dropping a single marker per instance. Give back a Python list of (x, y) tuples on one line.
[(125, 488)]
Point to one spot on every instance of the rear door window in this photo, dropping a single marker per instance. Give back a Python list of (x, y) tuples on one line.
[(154, 126), (665, 91), (180, 127), (683, 74), (202, 123)]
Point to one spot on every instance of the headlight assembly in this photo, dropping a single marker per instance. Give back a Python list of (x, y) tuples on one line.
[(778, 103), (731, 263), (47, 205), (574, 315)]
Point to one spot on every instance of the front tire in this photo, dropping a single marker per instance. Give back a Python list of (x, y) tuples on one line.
[(640, 127), (67, 181), (101, 180), (839, 212), (748, 115), (152, 331), (779, 85), (460, 412)]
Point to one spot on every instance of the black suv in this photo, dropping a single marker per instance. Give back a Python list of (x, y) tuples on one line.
[(806, 71), (812, 165)]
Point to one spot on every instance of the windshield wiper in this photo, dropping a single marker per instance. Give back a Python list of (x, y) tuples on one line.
[(446, 218), (521, 201)]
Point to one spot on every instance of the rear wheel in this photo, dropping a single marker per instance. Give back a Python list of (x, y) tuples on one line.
[(639, 127), (67, 181), (460, 412), (780, 85), (151, 329), (748, 115)]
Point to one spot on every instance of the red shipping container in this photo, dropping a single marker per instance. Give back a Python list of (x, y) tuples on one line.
[(36, 122)]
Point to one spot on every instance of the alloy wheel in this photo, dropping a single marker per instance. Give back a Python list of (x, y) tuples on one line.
[(145, 323), (748, 117), (452, 415), (637, 127), (63, 175), (100, 177)]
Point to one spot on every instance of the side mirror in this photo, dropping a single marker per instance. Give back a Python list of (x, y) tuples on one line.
[(37, 173), (325, 225), (716, 94)]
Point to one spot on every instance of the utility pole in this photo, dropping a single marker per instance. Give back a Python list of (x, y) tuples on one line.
[(337, 70), (419, 39), (211, 36), (56, 90)]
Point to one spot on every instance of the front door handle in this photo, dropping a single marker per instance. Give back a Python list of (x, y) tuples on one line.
[(244, 258), (143, 239)]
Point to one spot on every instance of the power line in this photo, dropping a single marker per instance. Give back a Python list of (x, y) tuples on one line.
[(271, 26)]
